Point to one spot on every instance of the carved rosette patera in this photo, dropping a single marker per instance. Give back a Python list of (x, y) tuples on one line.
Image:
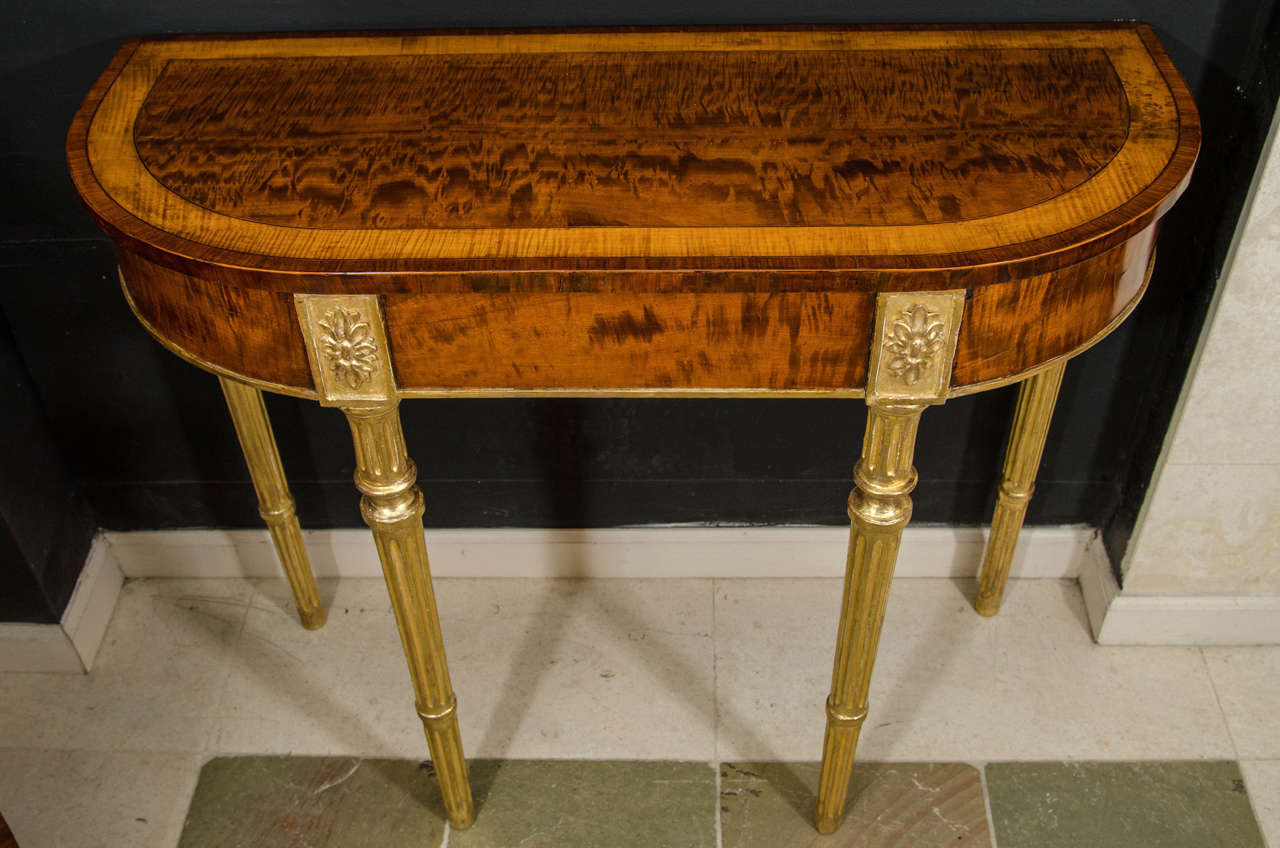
[(911, 355), (347, 348), (915, 341)]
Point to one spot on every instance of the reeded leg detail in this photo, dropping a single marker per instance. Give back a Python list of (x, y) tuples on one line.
[(1031, 419), (275, 504), (392, 507), (879, 509)]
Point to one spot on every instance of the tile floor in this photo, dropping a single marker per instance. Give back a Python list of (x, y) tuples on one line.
[(695, 672)]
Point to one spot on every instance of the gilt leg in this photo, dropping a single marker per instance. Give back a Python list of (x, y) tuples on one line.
[(879, 509), (275, 504), (392, 507), (1031, 420)]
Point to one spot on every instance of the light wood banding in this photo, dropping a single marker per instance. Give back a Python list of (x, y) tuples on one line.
[(646, 210)]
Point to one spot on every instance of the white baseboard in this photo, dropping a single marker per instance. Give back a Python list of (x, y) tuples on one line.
[(71, 645), (684, 551), (1120, 618), (726, 552)]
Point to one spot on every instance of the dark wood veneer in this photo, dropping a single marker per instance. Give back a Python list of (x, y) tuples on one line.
[(706, 209)]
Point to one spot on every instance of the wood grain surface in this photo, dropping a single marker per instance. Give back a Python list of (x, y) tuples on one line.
[(732, 139), (636, 210), (693, 332)]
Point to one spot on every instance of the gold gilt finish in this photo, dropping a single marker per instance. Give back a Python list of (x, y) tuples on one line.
[(1031, 420), (392, 507), (915, 343), (346, 348), (917, 334), (346, 341), (275, 504)]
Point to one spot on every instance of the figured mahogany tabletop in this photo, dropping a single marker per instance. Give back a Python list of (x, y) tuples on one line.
[(652, 211)]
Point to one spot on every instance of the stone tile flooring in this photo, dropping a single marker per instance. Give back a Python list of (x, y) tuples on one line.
[(1171, 805), (928, 805), (344, 802), (714, 681)]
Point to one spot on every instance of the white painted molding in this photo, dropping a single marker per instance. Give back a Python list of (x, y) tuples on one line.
[(681, 551), (1120, 618), (37, 647), (72, 645), (1098, 586), (93, 600)]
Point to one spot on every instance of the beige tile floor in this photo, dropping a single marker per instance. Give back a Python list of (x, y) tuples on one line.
[(605, 669)]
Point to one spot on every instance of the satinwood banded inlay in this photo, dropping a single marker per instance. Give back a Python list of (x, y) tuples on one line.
[(679, 211)]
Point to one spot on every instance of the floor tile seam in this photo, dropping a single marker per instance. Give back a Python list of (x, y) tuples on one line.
[(1251, 797), (1131, 761), (1217, 699), (393, 755), (715, 677), (81, 749), (47, 749), (215, 712), (716, 810), (971, 757), (981, 766)]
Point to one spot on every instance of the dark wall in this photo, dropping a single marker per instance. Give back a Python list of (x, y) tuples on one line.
[(45, 525), (146, 437)]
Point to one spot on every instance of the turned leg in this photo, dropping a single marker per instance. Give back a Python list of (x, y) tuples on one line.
[(910, 367), (879, 508), (1031, 420), (275, 504), (392, 507), (351, 365)]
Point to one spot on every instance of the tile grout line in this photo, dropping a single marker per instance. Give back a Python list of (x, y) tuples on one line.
[(1253, 806), (716, 810), (715, 680), (715, 712), (986, 802), (215, 718), (1235, 748), (1217, 699)]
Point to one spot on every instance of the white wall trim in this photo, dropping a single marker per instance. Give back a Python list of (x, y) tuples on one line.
[(1120, 618), (71, 645), (1116, 618), (681, 551)]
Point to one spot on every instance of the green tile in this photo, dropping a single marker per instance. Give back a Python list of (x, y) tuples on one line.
[(321, 802), (1121, 805), (337, 802), (567, 804), (922, 805)]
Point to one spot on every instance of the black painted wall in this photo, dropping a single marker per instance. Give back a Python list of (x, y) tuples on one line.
[(147, 441), (45, 525)]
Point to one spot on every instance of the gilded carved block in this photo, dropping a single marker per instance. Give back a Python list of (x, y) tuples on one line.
[(915, 345), (347, 348)]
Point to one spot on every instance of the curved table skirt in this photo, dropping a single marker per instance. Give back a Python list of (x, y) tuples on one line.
[(697, 334)]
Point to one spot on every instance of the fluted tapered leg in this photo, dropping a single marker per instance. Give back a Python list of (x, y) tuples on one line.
[(392, 507), (879, 508), (1031, 421), (275, 504)]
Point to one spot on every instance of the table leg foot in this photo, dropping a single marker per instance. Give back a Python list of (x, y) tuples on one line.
[(392, 507), (275, 503), (1031, 420), (879, 509)]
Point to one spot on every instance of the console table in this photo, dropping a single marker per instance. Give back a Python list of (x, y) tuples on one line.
[(900, 214)]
